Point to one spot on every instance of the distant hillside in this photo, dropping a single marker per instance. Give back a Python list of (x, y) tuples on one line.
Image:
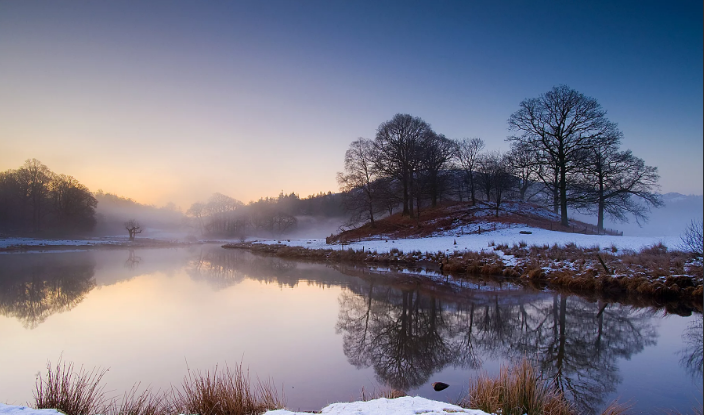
[(669, 220), (463, 218)]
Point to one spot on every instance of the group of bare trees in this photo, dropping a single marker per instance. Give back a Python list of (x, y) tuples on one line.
[(574, 151), (566, 154), (225, 216), (35, 199)]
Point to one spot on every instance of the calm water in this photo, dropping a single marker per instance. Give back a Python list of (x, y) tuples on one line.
[(323, 333)]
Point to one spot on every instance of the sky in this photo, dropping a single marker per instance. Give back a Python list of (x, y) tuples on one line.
[(171, 101)]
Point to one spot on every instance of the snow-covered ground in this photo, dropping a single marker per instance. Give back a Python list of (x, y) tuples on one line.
[(477, 242), (10, 242), (406, 405)]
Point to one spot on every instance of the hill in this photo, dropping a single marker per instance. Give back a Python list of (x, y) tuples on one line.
[(462, 218)]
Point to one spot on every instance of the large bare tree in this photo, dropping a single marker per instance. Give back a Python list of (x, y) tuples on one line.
[(561, 125), (398, 143), (616, 183)]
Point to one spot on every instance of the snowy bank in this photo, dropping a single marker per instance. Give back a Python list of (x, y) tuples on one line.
[(450, 242)]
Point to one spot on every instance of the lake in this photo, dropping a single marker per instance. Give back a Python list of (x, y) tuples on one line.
[(324, 332)]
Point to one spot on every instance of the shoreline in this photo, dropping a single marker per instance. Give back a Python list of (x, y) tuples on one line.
[(649, 276)]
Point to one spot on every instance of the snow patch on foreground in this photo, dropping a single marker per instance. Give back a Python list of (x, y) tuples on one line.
[(400, 406), (406, 405), (483, 241), (23, 410)]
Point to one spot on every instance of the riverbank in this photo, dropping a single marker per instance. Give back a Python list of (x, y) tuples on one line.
[(639, 268), (23, 245)]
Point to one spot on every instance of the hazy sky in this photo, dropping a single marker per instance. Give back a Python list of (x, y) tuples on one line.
[(172, 101)]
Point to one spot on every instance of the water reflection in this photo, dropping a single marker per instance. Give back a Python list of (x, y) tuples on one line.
[(406, 336), (49, 284), (401, 328), (692, 356)]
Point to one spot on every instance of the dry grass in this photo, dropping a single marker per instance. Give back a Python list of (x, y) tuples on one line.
[(72, 392), (520, 390), (383, 392), (517, 390), (145, 403), (221, 392), (616, 408), (225, 392)]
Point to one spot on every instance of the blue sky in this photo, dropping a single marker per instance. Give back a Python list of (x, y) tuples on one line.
[(172, 101)]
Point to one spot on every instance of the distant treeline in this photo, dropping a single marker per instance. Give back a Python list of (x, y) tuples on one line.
[(35, 199), (565, 154), (224, 216)]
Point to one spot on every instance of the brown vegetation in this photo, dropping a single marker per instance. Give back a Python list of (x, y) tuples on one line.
[(221, 392), (519, 390), (654, 274)]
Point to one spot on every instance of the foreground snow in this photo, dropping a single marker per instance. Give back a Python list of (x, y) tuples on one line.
[(401, 406), (477, 242), (23, 410)]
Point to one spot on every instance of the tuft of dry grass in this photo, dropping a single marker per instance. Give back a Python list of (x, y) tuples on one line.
[(517, 390), (616, 408), (145, 403), (225, 392), (383, 392), (70, 391)]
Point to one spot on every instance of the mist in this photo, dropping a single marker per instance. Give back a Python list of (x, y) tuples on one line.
[(669, 220)]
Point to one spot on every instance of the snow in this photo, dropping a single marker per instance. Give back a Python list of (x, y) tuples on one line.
[(486, 240), (23, 410), (400, 406), (10, 242), (406, 405)]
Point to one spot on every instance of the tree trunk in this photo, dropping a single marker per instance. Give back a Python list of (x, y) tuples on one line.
[(563, 197), (471, 188)]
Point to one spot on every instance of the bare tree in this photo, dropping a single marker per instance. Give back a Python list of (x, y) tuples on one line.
[(495, 176), (358, 180), (616, 183), (133, 228), (34, 178), (437, 151), (467, 152), (561, 124), (398, 143), (196, 212), (72, 204), (693, 238), (524, 166)]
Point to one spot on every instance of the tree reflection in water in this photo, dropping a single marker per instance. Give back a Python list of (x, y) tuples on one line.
[(406, 336), (692, 356), (51, 284)]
